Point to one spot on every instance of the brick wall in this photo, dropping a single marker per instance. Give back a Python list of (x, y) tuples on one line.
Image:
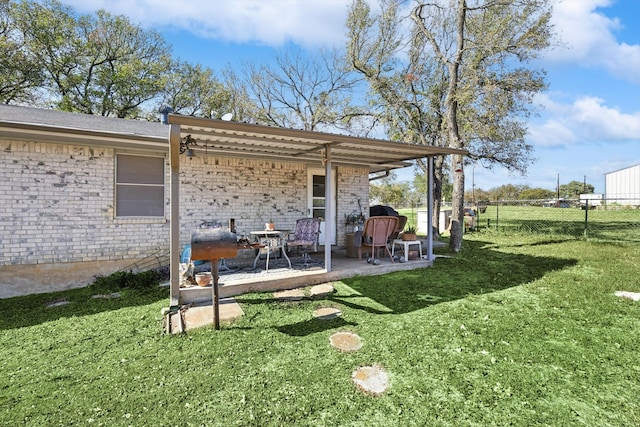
[(353, 186), (58, 206), (250, 191), (57, 202)]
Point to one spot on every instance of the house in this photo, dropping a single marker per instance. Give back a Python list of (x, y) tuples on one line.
[(86, 195)]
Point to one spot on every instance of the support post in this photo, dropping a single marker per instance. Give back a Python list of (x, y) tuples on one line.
[(215, 293), (174, 215), (330, 221), (430, 235), (586, 217)]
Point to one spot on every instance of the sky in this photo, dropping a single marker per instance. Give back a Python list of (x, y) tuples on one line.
[(589, 123)]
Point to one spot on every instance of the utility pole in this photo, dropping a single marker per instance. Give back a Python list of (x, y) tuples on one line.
[(558, 192)]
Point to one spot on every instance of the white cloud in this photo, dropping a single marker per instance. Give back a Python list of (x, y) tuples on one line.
[(588, 39), (309, 23), (586, 34), (552, 133), (602, 123), (585, 120)]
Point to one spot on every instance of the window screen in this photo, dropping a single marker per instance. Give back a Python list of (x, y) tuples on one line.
[(139, 185)]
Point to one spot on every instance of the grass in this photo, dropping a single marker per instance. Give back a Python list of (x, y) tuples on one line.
[(517, 330), (610, 224)]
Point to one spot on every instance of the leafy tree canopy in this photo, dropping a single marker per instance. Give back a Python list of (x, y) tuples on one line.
[(573, 189)]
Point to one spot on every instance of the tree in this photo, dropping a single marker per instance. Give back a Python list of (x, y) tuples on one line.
[(536, 194), (390, 192), (239, 101), (478, 195), (194, 91), (98, 64), (20, 72), (573, 189), (457, 33), (507, 192), (459, 82), (420, 187), (309, 94), (405, 96)]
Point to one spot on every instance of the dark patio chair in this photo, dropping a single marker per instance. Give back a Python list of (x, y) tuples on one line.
[(402, 221), (306, 235)]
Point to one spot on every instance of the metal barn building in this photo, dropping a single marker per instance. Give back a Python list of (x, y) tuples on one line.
[(623, 186)]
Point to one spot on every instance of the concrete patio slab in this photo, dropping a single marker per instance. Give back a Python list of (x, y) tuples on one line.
[(243, 280)]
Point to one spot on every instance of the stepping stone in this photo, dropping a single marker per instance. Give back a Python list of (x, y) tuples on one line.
[(372, 380), (289, 295), (195, 316), (321, 291), (58, 303), (327, 313), (107, 296), (346, 341), (634, 296)]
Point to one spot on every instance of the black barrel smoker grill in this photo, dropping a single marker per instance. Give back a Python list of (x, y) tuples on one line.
[(213, 244)]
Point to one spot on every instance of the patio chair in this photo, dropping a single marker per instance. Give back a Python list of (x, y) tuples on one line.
[(376, 234), (306, 235)]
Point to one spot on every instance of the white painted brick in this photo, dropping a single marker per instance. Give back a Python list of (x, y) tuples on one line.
[(59, 201)]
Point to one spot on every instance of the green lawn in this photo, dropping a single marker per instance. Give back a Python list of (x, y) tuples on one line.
[(611, 224), (519, 330)]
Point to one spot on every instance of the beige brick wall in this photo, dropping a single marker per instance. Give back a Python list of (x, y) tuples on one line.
[(57, 206), (57, 202), (353, 186), (250, 191)]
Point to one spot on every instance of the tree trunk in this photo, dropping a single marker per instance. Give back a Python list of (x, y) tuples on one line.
[(457, 209), (437, 194)]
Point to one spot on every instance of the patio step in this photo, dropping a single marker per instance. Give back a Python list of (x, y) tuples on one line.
[(197, 315)]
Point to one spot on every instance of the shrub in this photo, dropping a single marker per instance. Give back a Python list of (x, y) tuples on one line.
[(128, 280)]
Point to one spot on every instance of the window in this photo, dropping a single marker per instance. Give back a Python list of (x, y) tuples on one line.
[(139, 185)]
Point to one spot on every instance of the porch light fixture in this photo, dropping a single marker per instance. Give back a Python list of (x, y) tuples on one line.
[(186, 146)]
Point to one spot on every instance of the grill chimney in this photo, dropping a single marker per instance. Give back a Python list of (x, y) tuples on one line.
[(164, 113)]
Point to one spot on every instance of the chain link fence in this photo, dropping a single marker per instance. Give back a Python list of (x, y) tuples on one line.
[(606, 219)]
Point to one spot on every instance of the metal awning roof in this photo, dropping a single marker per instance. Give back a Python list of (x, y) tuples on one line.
[(242, 140), (216, 137), (234, 139)]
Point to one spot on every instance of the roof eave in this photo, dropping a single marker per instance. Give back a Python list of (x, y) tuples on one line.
[(60, 135)]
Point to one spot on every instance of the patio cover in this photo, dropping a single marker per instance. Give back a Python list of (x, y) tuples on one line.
[(235, 139)]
